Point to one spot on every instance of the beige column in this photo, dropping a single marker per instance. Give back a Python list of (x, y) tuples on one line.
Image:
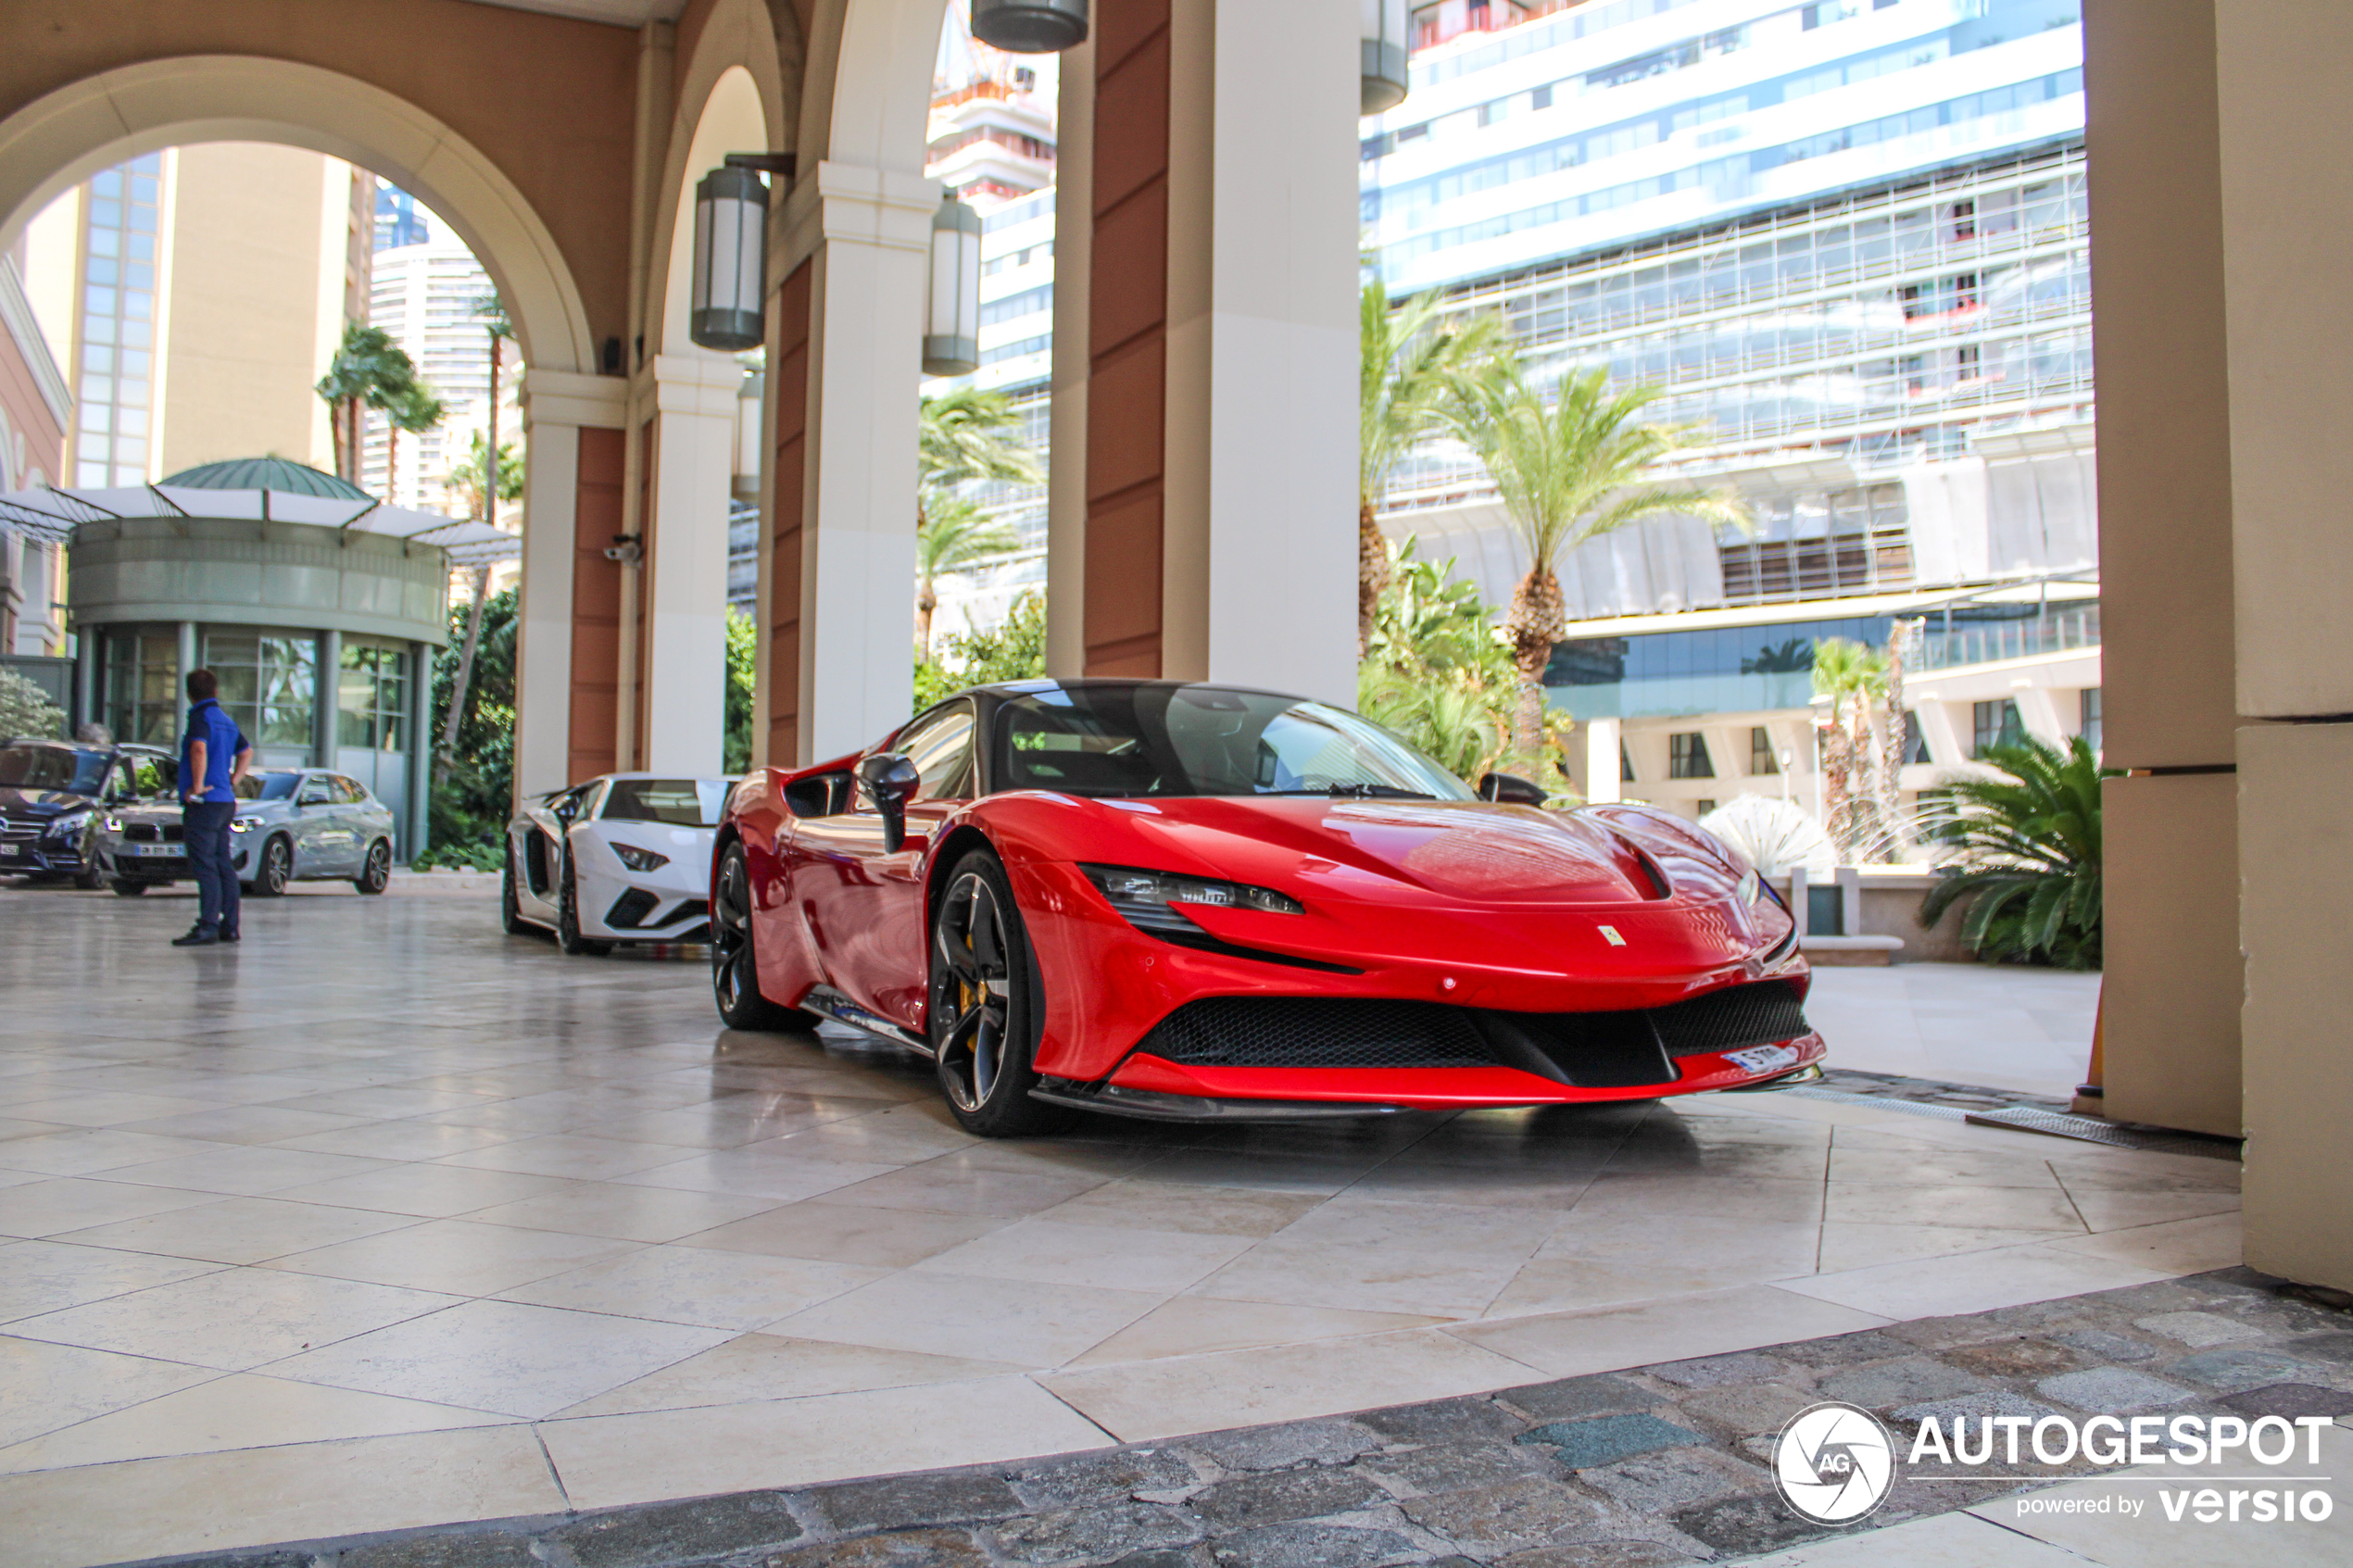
[(683, 579), (1605, 769), (2287, 206), (865, 236), (561, 620)]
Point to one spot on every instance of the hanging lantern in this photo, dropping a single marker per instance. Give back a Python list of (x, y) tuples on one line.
[(951, 331), (1030, 27), (731, 260), (1384, 80)]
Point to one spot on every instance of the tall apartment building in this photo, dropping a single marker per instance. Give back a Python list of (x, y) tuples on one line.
[(425, 292), (209, 287), (1848, 241), (35, 410)]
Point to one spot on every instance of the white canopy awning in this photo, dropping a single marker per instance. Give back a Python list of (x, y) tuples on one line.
[(54, 514)]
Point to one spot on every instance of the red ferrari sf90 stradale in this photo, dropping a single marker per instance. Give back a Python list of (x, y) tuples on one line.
[(1188, 901)]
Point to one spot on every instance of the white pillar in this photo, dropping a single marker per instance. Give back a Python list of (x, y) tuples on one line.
[(556, 404), (683, 580), (1604, 762), (870, 232), (1259, 584)]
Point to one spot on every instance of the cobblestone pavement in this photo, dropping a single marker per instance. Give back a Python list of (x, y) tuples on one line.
[(1660, 1464)]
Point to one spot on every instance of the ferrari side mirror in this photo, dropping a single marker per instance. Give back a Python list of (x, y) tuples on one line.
[(892, 781), (1510, 790)]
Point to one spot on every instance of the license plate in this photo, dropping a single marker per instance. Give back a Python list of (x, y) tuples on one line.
[(153, 851), (1762, 1059), (10, 851)]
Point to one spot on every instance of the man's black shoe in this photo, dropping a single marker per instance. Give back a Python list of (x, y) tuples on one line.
[(232, 936), (198, 936)]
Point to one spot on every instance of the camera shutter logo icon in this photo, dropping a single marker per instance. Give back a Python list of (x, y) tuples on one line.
[(1834, 1464)]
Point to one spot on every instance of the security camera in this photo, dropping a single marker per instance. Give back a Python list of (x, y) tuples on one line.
[(626, 549)]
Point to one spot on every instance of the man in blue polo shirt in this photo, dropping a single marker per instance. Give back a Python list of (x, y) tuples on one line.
[(213, 756)]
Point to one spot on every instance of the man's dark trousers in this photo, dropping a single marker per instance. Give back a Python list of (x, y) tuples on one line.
[(204, 825)]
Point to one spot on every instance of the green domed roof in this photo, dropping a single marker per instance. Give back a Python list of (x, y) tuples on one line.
[(267, 473)]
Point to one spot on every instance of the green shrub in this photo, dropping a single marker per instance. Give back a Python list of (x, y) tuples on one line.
[(2027, 855)]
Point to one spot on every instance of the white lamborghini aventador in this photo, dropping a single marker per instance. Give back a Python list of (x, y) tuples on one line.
[(624, 858)]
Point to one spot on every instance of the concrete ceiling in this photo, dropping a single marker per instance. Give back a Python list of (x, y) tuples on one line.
[(619, 13)]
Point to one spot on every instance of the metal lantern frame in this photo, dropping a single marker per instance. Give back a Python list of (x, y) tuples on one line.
[(729, 291), (1030, 27), (951, 325), (1385, 69)]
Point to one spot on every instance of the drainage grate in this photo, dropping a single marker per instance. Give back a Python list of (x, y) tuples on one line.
[(2026, 1119), (1882, 1103)]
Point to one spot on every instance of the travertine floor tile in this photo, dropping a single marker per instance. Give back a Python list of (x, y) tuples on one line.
[(237, 1230), (232, 1319), (700, 1285), (45, 1387), (456, 1256), (767, 1366), (973, 1317)]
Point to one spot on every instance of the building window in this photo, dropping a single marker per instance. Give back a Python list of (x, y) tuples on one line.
[(142, 685), (1823, 545), (1625, 764), (371, 698), (1703, 806), (1914, 739), (1761, 760), (1687, 755), (2091, 726), (1997, 724), (268, 682)]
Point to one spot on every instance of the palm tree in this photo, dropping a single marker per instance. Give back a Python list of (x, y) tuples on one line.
[(1847, 672), (956, 535), (368, 370), (415, 409), (968, 434), (2028, 845), (491, 311), (469, 478), (1406, 373), (1567, 471)]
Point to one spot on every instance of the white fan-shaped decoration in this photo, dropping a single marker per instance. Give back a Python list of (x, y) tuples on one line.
[(1774, 835)]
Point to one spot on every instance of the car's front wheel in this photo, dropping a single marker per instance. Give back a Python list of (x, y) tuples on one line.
[(509, 908), (734, 969), (567, 935), (128, 889), (276, 869), (375, 873), (987, 1008)]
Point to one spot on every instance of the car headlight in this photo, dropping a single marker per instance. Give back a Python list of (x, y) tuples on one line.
[(638, 860), (68, 825), (1147, 898), (112, 824), (1751, 888), (242, 824)]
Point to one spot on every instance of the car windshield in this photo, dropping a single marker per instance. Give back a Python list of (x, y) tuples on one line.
[(683, 803), (1205, 740), (52, 767), (265, 786)]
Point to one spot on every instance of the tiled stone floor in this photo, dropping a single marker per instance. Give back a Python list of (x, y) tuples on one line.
[(385, 1220)]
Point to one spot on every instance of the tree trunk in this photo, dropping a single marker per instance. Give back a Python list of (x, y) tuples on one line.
[(490, 452), (465, 676), (927, 601), (1837, 772), (392, 458), (1892, 751), (1535, 619), (1372, 573)]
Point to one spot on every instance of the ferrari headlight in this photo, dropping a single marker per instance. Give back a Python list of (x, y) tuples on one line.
[(1146, 898), (638, 860), (1751, 888)]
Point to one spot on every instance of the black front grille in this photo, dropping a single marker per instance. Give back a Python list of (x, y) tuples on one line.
[(173, 832), (630, 909), (1761, 1014), (1590, 1050), (139, 832), (1317, 1032)]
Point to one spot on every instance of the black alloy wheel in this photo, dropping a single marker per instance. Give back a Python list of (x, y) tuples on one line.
[(567, 935), (986, 1011), (276, 869), (90, 878), (509, 908), (125, 888), (375, 873), (735, 971)]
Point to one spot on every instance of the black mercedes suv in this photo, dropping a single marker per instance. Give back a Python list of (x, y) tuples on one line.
[(52, 792)]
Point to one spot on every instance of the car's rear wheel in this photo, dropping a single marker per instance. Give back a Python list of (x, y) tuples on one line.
[(276, 869), (509, 908), (567, 935), (90, 878), (375, 873), (128, 889), (987, 1005), (734, 969)]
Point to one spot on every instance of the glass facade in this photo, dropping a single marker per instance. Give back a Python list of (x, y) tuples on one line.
[(269, 684), (372, 697), (115, 358), (142, 685), (1687, 755)]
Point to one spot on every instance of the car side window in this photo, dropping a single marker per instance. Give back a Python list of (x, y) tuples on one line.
[(940, 746), (350, 791), (315, 790)]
